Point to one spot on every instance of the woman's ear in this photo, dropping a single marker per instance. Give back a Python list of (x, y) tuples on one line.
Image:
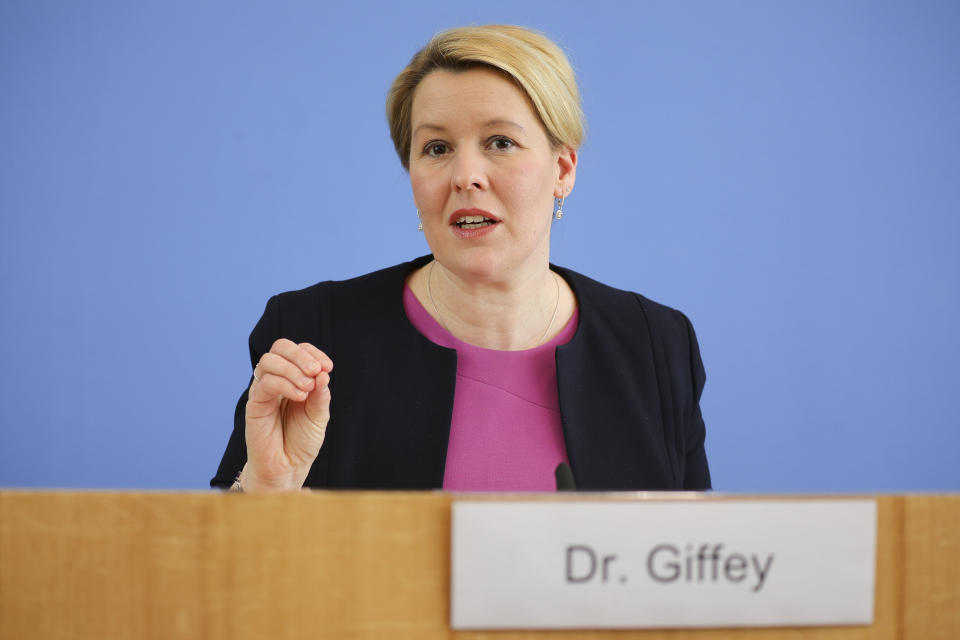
[(567, 163)]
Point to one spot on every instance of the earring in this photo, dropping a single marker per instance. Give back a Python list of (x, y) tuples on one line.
[(559, 212), (420, 223)]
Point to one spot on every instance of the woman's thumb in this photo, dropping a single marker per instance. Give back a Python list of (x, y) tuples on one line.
[(317, 405)]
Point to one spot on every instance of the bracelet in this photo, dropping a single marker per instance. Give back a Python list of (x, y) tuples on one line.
[(237, 487)]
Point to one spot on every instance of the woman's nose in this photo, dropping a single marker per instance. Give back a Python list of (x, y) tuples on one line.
[(468, 171)]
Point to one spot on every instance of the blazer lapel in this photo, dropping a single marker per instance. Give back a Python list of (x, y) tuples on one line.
[(609, 394), (393, 392)]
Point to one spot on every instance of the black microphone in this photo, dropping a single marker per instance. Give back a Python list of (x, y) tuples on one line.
[(564, 475)]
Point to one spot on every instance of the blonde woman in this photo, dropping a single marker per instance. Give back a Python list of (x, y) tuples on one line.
[(481, 366)]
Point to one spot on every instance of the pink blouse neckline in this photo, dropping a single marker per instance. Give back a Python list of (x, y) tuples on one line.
[(506, 432)]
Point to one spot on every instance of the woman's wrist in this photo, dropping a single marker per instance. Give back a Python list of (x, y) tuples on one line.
[(248, 481)]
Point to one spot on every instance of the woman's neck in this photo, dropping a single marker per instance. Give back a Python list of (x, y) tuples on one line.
[(508, 315)]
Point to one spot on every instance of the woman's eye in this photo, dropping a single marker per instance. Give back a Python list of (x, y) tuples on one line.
[(502, 144), (435, 149)]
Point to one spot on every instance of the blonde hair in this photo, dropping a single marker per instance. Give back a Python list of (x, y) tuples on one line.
[(537, 65)]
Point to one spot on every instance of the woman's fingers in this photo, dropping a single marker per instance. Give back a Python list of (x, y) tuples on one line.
[(308, 362), (290, 370), (325, 362), (269, 386), (276, 377), (277, 365)]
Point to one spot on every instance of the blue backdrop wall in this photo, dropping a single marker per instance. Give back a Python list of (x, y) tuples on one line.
[(166, 167)]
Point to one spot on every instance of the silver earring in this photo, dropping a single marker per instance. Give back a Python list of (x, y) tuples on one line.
[(420, 223), (559, 212)]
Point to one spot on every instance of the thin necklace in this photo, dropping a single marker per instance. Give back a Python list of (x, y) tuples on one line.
[(556, 305)]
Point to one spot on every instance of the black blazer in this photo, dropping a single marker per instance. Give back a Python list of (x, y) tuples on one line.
[(629, 384)]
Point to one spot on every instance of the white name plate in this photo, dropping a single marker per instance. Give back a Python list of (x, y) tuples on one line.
[(716, 563)]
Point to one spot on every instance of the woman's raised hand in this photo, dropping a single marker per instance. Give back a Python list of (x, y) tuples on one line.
[(288, 408)]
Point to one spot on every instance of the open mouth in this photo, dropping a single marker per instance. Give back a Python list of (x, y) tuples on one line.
[(474, 222)]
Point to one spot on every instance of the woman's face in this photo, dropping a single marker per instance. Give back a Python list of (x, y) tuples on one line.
[(484, 175)]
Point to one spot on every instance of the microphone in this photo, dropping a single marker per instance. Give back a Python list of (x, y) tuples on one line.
[(564, 475)]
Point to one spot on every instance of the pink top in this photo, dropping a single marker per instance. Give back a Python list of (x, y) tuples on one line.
[(505, 434)]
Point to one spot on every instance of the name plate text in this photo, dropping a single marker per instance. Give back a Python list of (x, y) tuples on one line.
[(712, 563)]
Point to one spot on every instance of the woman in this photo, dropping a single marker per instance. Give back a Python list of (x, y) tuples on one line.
[(481, 367)]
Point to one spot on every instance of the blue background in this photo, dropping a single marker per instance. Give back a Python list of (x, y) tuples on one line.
[(786, 173)]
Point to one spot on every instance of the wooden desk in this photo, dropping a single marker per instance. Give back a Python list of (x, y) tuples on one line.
[(350, 565)]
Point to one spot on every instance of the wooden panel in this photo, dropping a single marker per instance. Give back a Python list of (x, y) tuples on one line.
[(222, 566), (341, 565), (931, 579)]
